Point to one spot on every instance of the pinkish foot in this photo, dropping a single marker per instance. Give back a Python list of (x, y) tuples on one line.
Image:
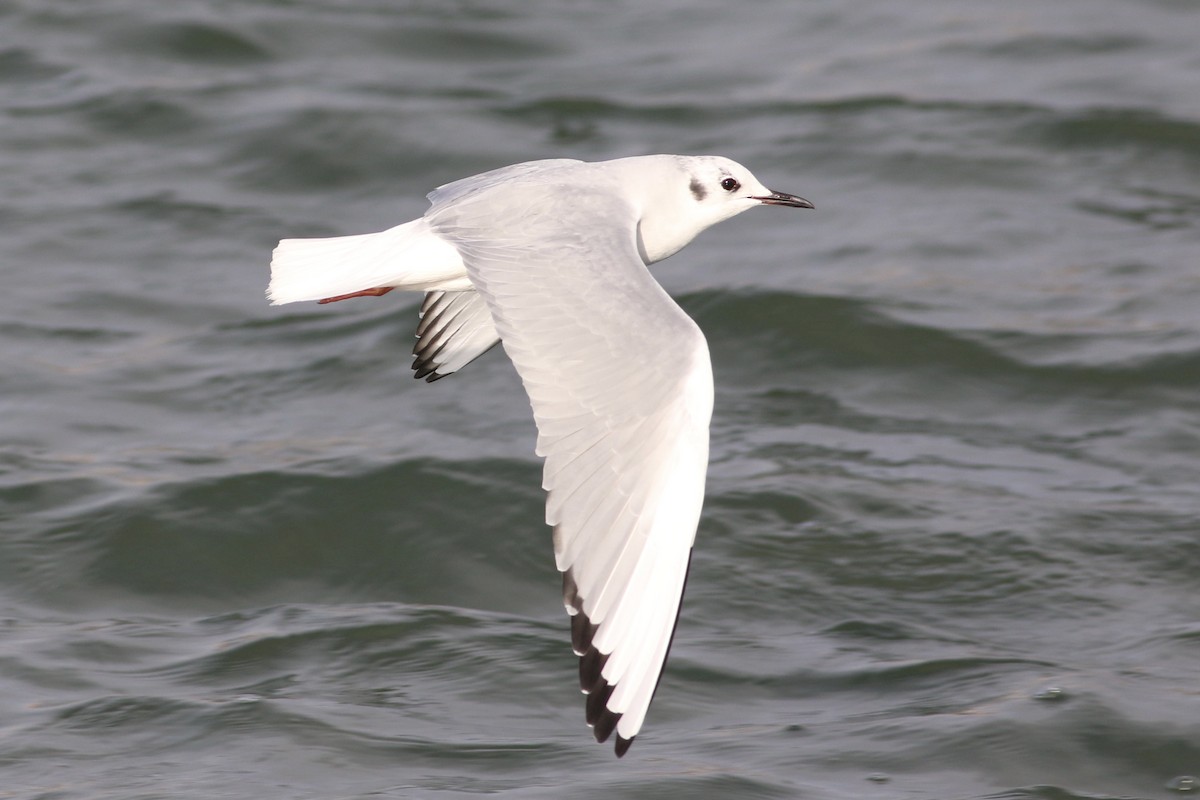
[(378, 291)]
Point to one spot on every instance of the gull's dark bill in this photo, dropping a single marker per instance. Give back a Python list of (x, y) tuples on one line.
[(784, 199)]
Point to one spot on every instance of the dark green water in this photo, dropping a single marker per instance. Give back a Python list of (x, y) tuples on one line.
[(951, 547)]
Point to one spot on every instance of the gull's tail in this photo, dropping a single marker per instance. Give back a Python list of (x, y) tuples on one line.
[(408, 256)]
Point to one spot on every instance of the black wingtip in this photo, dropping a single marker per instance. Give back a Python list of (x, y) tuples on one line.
[(591, 665), (570, 588), (582, 633), (605, 724), (595, 710), (591, 669)]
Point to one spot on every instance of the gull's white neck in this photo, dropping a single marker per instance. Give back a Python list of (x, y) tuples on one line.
[(667, 213)]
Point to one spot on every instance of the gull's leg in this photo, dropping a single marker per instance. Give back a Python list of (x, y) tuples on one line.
[(378, 291)]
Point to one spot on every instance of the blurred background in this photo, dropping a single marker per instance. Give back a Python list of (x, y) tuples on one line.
[(950, 547)]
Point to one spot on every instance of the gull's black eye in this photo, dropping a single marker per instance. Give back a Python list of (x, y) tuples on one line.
[(730, 185)]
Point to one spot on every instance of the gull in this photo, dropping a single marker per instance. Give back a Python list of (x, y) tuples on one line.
[(550, 257)]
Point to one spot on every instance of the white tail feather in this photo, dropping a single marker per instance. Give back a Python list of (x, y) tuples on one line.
[(408, 256)]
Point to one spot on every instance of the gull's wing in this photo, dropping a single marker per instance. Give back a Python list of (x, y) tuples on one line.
[(621, 387), (455, 329), (455, 190)]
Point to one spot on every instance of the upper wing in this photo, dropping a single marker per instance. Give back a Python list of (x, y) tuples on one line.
[(621, 387), (455, 329), (455, 190)]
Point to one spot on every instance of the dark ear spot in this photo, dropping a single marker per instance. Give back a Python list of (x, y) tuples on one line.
[(698, 190)]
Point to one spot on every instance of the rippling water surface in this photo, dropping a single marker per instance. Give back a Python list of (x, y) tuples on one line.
[(951, 547)]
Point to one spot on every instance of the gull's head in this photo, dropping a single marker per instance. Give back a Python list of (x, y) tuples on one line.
[(688, 194)]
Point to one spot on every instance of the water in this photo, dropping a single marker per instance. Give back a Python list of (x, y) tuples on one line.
[(951, 543)]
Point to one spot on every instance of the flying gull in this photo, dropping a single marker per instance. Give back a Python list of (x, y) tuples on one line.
[(550, 258)]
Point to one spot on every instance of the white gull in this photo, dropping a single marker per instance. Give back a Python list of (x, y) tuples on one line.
[(550, 258)]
